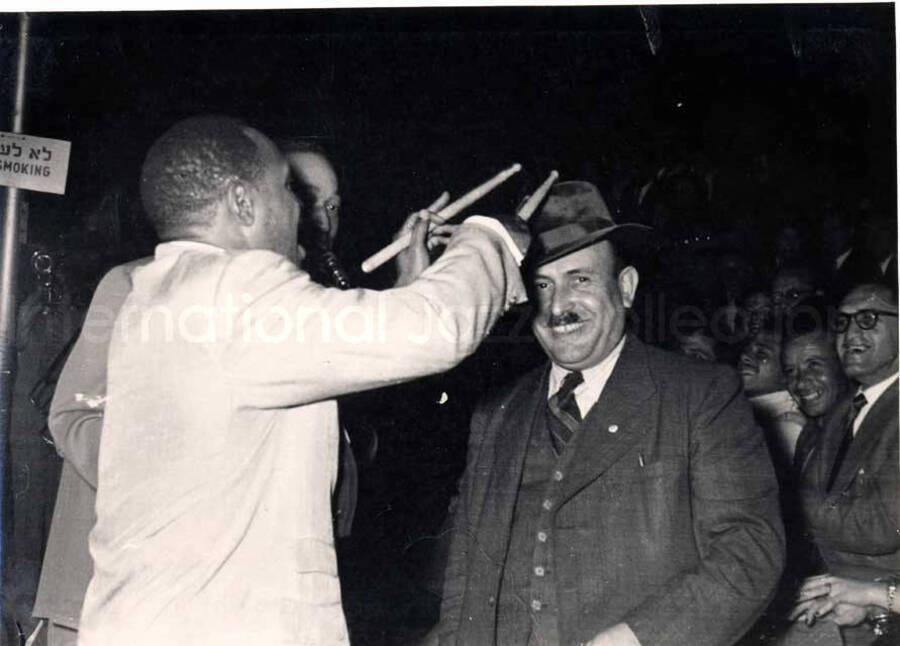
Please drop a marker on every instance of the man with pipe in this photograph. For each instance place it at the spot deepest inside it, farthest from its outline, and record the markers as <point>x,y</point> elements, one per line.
<point>619,495</point>
<point>320,201</point>
<point>223,365</point>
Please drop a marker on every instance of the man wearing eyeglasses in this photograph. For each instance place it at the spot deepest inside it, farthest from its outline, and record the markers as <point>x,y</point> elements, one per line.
<point>851,482</point>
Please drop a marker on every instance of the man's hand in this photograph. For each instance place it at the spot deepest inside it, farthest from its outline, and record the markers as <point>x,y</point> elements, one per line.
<point>413,260</point>
<point>846,614</point>
<point>618,635</point>
<point>843,590</point>
<point>843,601</point>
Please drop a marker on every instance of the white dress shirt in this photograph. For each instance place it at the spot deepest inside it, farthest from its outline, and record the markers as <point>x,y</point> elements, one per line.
<point>872,394</point>
<point>588,392</point>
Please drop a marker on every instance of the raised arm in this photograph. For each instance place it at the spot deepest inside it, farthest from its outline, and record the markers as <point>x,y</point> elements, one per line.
<point>296,342</point>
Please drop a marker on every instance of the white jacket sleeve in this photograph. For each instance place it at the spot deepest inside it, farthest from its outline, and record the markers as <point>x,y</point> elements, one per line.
<point>296,342</point>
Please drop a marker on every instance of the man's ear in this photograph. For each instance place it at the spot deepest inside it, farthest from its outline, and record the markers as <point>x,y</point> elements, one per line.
<point>240,203</point>
<point>628,283</point>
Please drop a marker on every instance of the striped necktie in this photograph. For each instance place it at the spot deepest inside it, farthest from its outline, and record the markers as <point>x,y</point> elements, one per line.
<point>859,400</point>
<point>565,417</point>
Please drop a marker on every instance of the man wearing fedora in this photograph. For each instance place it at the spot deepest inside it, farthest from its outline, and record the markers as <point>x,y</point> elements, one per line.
<point>620,494</point>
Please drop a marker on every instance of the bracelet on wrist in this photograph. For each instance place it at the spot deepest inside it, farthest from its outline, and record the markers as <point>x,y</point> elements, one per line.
<point>881,619</point>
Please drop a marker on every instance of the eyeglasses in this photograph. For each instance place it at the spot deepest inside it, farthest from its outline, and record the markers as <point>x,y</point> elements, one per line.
<point>865,319</point>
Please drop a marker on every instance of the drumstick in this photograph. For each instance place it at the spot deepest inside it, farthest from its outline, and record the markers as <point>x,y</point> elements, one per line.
<point>375,261</point>
<point>374,258</point>
<point>437,202</point>
<point>535,198</point>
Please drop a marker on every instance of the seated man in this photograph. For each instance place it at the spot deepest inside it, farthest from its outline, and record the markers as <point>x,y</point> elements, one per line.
<point>816,381</point>
<point>219,443</point>
<point>851,480</point>
<point>812,369</point>
<point>765,386</point>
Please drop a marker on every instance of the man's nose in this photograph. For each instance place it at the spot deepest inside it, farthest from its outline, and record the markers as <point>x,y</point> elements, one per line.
<point>802,380</point>
<point>853,332</point>
<point>561,300</point>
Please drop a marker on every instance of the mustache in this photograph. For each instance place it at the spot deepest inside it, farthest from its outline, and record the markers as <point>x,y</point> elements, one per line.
<point>566,318</point>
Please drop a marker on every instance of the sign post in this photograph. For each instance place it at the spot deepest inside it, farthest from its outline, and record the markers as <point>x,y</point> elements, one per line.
<point>8,250</point>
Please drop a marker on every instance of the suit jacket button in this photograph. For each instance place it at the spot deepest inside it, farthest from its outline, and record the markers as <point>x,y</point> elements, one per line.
<point>613,428</point>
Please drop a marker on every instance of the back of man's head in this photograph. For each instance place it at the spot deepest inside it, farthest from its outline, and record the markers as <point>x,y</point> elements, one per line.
<point>189,167</point>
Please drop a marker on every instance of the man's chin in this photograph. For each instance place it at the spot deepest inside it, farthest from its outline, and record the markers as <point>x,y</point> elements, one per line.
<point>568,358</point>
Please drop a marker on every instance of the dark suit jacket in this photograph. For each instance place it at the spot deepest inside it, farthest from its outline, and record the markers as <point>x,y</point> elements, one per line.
<point>855,525</point>
<point>686,549</point>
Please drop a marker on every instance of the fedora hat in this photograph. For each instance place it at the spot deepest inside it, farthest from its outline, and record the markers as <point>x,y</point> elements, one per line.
<point>575,216</point>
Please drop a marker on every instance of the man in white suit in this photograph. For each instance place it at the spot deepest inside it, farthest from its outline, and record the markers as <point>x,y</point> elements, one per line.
<point>223,365</point>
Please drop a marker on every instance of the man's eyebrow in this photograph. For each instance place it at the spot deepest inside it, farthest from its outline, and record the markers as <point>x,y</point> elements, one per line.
<point>568,272</point>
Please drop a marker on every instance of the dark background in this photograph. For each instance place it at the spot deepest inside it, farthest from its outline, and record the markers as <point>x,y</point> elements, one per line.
<point>744,118</point>
<point>408,102</point>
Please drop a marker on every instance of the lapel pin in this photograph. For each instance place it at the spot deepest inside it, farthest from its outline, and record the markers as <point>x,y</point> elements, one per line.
<point>613,428</point>
<point>641,459</point>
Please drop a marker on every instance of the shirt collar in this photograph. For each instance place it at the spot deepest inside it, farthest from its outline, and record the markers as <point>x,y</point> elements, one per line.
<point>595,379</point>
<point>179,246</point>
<point>875,391</point>
<point>872,394</point>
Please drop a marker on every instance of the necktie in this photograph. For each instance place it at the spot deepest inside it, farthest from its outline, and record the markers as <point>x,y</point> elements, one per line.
<point>565,417</point>
<point>859,400</point>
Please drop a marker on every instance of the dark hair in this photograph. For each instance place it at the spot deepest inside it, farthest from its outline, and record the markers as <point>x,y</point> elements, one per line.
<point>189,167</point>
<point>304,191</point>
<point>886,288</point>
